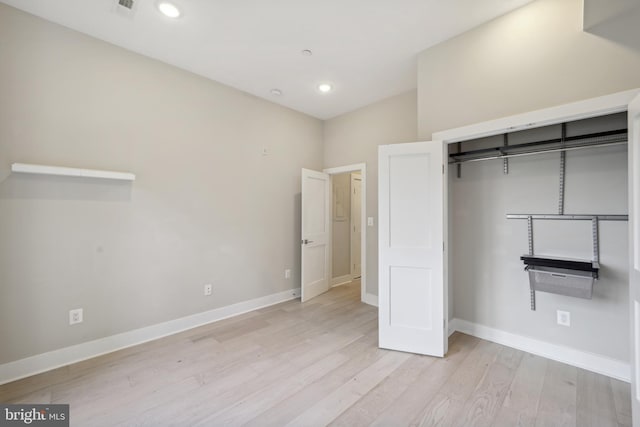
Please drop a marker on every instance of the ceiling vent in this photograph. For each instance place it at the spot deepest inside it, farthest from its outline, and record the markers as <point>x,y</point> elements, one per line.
<point>126,3</point>
<point>124,8</point>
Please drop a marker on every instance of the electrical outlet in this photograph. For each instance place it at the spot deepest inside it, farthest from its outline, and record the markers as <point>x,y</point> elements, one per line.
<point>208,289</point>
<point>75,316</point>
<point>287,273</point>
<point>564,318</point>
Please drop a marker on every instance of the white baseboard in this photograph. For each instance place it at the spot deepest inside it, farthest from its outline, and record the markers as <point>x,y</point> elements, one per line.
<point>54,359</point>
<point>370,299</point>
<point>604,365</point>
<point>341,280</point>
<point>451,327</point>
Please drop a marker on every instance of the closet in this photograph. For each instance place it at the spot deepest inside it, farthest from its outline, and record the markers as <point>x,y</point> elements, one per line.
<point>528,219</point>
<point>585,154</point>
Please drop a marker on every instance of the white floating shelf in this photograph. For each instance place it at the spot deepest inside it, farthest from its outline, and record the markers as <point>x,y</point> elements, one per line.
<point>62,171</point>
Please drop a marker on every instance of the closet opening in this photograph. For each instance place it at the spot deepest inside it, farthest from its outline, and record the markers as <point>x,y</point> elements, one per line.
<point>529,208</point>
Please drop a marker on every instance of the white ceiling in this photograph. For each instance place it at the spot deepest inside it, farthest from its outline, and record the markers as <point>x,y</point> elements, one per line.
<point>365,48</point>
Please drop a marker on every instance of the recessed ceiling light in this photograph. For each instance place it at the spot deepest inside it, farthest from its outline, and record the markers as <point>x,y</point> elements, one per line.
<point>306,52</point>
<point>325,87</point>
<point>169,9</point>
<point>276,92</point>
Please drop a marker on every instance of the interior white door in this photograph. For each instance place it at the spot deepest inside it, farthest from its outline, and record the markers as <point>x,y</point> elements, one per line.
<point>356,225</point>
<point>316,193</point>
<point>411,292</point>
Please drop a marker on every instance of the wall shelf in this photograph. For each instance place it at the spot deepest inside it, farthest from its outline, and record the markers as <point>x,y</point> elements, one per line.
<point>73,172</point>
<point>563,276</point>
<point>589,266</point>
<point>571,217</point>
<point>564,143</point>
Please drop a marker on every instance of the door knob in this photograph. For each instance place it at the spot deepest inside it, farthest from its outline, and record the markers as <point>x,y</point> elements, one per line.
<point>306,242</point>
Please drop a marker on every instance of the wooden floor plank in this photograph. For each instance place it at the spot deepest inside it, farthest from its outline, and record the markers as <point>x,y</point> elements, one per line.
<point>446,406</point>
<point>331,406</point>
<point>520,405</point>
<point>594,401</point>
<point>317,363</point>
<point>486,400</point>
<point>622,402</point>
<point>360,356</point>
<point>371,405</point>
<point>395,399</point>
<point>262,399</point>
<point>557,405</point>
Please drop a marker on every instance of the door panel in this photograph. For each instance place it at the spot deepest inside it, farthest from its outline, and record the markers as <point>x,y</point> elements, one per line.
<point>411,258</point>
<point>411,295</point>
<point>316,191</point>
<point>409,204</point>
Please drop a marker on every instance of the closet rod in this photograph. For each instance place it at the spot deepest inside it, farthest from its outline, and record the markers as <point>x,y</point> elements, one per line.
<point>541,151</point>
<point>570,217</point>
<point>550,145</point>
<point>575,138</point>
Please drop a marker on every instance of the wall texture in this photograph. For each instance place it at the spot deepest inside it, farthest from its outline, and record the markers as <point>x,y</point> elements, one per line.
<point>535,57</point>
<point>207,206</point>
<point>354,138</point>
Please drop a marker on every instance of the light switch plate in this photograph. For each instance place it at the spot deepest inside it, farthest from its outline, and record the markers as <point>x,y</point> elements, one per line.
<point>370,221</point>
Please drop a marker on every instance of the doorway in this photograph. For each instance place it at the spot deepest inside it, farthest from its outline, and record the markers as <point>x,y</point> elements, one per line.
<point>346,225</point>
<point>348,246</point>
<point>397,159</point>
<point>536,120</point>
<point>355,230</point>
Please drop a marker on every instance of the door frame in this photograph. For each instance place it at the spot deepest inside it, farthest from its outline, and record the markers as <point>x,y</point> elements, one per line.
<point>362,168</point>
<point>594,107</point>
<point>352,180</point>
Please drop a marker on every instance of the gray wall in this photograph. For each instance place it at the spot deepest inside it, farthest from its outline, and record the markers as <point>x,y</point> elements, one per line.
<point>207,207</point>
<point>487,280</point>
<point>341,243</point>
<point>354,138</point>
<point>535,57</point>
<point>597,12</point>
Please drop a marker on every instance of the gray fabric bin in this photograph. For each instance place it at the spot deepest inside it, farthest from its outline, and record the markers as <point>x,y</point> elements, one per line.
<point>573,283</point>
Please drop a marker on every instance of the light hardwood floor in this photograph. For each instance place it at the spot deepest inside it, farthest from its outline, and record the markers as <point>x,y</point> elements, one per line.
<point>317,364</point>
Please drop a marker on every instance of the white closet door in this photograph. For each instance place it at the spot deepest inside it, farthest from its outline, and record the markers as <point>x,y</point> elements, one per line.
<point>411,249</point>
